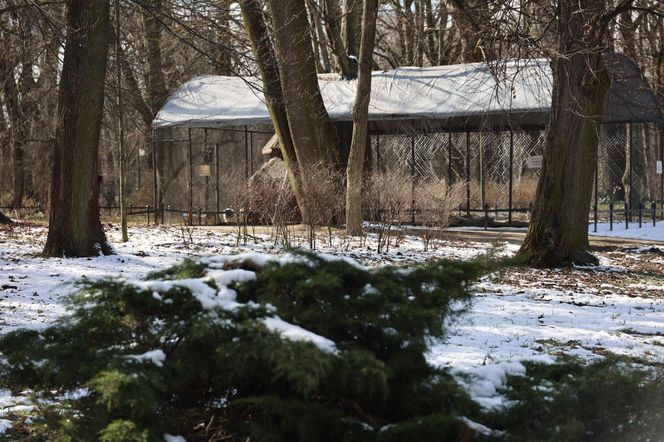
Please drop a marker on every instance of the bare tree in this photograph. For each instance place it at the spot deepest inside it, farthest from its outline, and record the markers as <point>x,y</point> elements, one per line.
<point>314,137</point>
<point>356,156</point>
<point>558,230</point>
<point>74,225</point>
<point>261,44</point>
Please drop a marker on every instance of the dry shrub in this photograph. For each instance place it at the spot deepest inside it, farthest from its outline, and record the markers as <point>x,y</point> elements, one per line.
<point>238,199</point>
<point>523,192</point>
<point>436,202</point>
<point>387,195</point>
<point>272,201</point>
<point>323,200</point>
<point>497,193</point>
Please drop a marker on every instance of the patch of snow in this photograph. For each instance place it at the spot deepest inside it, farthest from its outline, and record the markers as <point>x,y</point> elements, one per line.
<point>157,357</point>
<point>529,316</point>
<point>296,333</point>
<point>328,257</point>
<point>228,277</point>
<point>5,425</point>
<point>646,232</point>
<point>74,394</point>
<point>171,438</point>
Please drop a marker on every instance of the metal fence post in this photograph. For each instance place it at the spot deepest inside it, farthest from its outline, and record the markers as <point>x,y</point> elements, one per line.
<point>412,179</point>
<point>147,212</point>
<point>449,159</point>
<point>155,190</point>
<point>595,217</point>
<point>611,216</point>
<point>640,214</point>
<point>654,214</point>
<point>626,216</point>
<point>246,152</point>
<point>468,174</point>
<point>511,183</point>
<point>190,176</point>
<point>486,216</point>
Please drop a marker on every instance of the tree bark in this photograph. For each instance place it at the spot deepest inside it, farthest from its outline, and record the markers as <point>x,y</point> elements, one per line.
<point>351,24</point>
<point>347,66</point>
<point>311,129</point>
<point>157,94</point>
<point>358,145</point>
<point>74,225</point>
<point>558,232</point>
<point>20,129</point>
<point>261,44</point>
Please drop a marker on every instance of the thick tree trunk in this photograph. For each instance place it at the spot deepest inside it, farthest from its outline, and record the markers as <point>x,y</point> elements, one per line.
<point>313,134</point>
<point>261,44</point>
<point>558,232</point>
<point>74,225</point>
<point>358,145</point>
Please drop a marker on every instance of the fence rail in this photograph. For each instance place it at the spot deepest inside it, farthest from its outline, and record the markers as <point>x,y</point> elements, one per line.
<point>638,215</point>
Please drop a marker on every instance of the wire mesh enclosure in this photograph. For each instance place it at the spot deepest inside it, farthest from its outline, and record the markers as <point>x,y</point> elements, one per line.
<point>500,169</point>
<point>628,170</point>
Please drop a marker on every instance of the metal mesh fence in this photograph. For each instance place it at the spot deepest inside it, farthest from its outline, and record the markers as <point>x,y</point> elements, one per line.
<point>489,163</point>
<point>501,168</point>
<point>627,164</point>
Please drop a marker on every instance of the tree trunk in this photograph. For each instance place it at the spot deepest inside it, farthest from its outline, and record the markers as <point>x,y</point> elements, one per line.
<point>350,26</point>
<point>322,41</point>
<point>157,94</point>
<point>20,129</point>
<point>347,66</point>
<point>358,145</point>
<point>261,44</point>
<point>558,232</point>
<point>470,32</point>
<point>313,134</point>
<point>74,225</point>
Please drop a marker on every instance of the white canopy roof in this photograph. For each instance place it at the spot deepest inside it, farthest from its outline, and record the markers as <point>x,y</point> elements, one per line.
<point>440,92</point>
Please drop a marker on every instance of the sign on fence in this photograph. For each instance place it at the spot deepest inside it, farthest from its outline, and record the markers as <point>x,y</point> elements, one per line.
<point>534,162</point>
<point>659,167</point>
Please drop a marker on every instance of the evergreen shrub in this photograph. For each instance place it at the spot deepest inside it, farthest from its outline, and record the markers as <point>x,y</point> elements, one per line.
<point>609,400</point>
<point>301,347</point>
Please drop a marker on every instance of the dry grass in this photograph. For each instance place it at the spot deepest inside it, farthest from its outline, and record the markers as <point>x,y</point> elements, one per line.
<point>436,202</point>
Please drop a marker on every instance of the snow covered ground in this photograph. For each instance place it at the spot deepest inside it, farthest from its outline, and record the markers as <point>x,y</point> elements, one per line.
<point>517,314</point>
<point>646,232</point>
